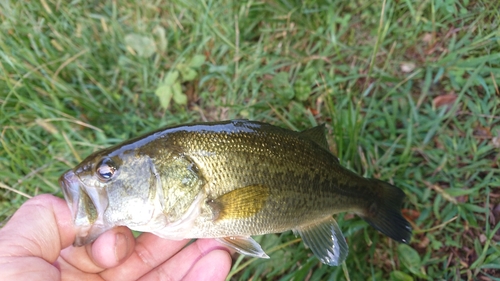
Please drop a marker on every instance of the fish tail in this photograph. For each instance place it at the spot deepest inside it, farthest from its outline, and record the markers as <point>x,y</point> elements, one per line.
<point>384,213</point>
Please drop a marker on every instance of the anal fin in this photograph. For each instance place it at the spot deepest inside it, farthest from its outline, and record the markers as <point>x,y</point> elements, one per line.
<point>325,240</point>
<point>244,245</point>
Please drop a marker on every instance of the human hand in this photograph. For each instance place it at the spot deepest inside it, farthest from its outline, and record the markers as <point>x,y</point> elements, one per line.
<point>36,245</point>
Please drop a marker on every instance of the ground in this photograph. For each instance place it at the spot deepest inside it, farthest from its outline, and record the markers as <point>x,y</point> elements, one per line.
<point>407,89</point>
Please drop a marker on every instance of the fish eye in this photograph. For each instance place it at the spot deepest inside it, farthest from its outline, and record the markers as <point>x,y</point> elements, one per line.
<point>106,169</point>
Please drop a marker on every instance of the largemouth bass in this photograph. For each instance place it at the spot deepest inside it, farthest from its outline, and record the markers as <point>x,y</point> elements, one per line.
<point>229,180</point>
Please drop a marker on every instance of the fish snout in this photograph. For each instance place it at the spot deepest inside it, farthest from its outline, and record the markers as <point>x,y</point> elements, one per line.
<point>70,186</point>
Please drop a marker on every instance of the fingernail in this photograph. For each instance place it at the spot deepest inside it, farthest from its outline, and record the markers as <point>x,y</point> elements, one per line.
<point>121,247</point>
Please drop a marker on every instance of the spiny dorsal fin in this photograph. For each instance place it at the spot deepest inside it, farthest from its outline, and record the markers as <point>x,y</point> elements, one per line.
<point>240,203</point>
<point>316,134</point>
<point>325,240</point>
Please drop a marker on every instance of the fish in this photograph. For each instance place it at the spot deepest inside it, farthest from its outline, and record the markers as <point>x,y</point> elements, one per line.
<point>229,180</point>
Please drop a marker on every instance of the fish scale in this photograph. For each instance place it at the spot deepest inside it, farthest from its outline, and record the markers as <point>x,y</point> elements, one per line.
<point>290,178</point>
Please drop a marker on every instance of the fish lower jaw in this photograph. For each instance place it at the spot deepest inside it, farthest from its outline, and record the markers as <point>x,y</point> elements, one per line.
<point>86,234</point>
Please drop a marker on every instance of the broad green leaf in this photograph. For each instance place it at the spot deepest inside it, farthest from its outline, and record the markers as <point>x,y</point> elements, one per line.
<point>171,78</point>
<point>197,61</point>
<point>436,244</point>
<point>400,276</point>
<point>162,37</point>
<point>281,80</point>
<point>281,85</point>
<point>179,97</point>
<point>410,259</point>
<point>164,93</point>
<point>188,74</point>
<point>144,46</point>
<point>302,90</point>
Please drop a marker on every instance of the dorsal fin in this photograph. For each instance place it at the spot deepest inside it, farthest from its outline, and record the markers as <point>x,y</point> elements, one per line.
<point>316,134</point>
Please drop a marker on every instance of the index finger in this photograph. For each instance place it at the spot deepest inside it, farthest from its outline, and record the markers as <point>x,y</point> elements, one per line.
<point>150,251</point>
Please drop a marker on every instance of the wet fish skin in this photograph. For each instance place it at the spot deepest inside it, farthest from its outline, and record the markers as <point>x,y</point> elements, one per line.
<point>229,180</point>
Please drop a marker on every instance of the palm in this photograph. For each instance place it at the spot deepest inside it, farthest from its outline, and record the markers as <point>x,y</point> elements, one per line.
<point>152,259</point>
<point>35,245</point>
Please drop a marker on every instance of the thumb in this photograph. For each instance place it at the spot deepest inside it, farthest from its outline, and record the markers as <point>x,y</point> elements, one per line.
<point>33,238</point>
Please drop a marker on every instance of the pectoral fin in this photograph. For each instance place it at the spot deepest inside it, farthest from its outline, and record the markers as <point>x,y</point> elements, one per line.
<point>240,203</point>
<point>325,240</point>
<point>244,245</point>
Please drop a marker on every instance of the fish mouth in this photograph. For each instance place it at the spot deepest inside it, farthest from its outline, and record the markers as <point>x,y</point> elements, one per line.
<point>70,186</point>
<point>87,219</point>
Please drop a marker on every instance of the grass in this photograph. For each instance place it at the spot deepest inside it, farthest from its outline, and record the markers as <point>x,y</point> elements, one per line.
<point>408,90</point>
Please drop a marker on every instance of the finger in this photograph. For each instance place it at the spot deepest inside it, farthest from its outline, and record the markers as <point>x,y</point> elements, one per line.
<point>109,250</point>
<point>27,268</point>
<point>36,233</point>
<point>40,228</point>
<point>149,252</point>
<point>179,265</point>
<point>214,267</point>
<point>123,242</point>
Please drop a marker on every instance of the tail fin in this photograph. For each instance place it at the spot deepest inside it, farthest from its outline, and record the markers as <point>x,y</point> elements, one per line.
<point>384,213</point>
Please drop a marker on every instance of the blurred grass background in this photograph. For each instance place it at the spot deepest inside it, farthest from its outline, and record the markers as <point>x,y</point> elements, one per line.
<point>408,90</point>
